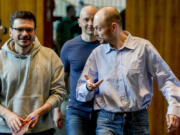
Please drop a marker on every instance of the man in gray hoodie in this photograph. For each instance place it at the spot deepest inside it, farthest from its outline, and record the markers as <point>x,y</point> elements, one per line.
<point>31,79</point>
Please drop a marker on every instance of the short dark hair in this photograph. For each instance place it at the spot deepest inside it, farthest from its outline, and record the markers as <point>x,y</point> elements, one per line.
<point>69,7</point>
<point>22,14</point>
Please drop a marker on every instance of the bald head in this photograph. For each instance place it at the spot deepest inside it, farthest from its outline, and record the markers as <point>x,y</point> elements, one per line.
<point>86,22</point>
<point>109,15</point>
<point>107,24</point>
<point>88,9</point>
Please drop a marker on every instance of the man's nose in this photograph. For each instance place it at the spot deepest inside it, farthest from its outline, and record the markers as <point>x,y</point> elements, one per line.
<point>90,22</point>
<point>95,32</point>
<point>24,32</point>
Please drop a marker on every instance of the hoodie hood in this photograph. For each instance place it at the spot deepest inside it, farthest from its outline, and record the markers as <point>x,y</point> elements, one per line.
<point>7,47</point>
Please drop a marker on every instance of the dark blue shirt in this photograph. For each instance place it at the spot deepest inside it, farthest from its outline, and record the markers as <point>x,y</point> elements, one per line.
<point>74,54</point>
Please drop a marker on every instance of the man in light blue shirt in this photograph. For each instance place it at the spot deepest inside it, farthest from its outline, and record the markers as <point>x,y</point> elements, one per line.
<point>119,75</point>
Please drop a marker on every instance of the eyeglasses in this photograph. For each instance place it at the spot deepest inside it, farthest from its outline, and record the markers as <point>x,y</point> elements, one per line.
<point>20,30</point>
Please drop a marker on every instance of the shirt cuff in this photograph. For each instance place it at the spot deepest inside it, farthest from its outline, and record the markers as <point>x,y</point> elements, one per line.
<point>83,94</point>
<point>175,110</point>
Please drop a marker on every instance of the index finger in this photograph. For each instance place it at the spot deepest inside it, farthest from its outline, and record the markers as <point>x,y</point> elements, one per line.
<point>98,83</point>
<point>87,77</point>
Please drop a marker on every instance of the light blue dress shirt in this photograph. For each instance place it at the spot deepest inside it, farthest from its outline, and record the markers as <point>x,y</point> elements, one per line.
<point>128,75</point>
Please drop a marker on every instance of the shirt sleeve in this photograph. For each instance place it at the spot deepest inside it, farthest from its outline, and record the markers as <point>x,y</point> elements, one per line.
<point>165,78</point>
<point>57,85</point>
<point>90,69</point>
<point>64,57</point>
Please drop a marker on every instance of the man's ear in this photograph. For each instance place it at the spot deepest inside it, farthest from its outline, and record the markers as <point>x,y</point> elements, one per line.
<point>35,31</point>
<point>10,32</point>
<point>79,22</point>
<point>114,26</point>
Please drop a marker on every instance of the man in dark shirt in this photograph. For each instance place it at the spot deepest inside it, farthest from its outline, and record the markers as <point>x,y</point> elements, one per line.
<point>79,116</point>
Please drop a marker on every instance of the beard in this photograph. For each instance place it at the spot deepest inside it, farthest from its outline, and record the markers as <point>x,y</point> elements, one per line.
<point>102,41</point>
<point>25,38</point>
<point>25,41</point>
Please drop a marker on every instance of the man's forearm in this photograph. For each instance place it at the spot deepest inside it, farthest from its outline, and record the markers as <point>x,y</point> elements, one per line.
<point>57,109</point>
<point>41,111</point>
<point>56,113</point>
<point>3,111</point>
<point>44,109</point>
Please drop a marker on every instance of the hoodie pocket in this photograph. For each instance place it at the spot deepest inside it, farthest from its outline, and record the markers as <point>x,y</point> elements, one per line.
<point>23,106</point>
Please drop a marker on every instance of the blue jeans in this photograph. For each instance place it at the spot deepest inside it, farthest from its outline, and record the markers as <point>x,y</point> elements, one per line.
<point>79,122</point>
<point>130,123</point>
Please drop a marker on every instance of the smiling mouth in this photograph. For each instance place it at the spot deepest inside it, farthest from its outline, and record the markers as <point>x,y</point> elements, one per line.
<point>24,40</point>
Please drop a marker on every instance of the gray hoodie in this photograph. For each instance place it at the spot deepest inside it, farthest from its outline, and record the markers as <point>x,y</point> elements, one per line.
<point>29,81</point>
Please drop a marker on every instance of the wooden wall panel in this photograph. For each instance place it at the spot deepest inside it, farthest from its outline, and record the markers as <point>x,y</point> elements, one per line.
<point>7,7</point>
<point>159,22</point>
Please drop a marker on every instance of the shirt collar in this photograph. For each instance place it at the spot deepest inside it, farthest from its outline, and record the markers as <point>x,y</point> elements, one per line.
<point>127,44</point>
